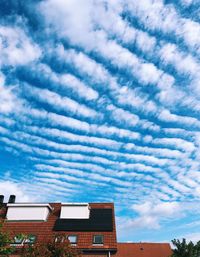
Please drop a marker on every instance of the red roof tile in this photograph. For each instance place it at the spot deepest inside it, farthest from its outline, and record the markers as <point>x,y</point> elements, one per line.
<point>143,250</point>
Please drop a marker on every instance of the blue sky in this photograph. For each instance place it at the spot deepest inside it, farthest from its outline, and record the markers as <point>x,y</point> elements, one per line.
<point>99,101</point>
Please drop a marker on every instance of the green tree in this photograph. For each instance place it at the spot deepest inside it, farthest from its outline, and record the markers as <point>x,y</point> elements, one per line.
<point>5,241</point>
<point>58,246</point>
<point>184,249</point>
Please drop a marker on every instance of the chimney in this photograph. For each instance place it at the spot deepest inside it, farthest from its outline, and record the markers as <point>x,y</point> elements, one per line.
<point>1,199</point>
<point>12,199</point>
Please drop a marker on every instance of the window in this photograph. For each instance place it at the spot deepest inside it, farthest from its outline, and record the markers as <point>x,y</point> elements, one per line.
<point>23,239</point>
<point>72,239</point>
<point>59,239</point>
<point>30,239</point>
<point>75,211</point>
<point>27,212</point>
<point>18,239</point>
<point>98,239</point>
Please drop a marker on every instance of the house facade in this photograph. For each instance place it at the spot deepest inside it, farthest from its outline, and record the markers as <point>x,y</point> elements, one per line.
<point>89,227</point>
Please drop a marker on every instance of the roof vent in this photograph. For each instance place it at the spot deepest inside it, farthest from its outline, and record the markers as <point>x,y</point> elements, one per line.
<point>1,199</point>
<point>12,199</point>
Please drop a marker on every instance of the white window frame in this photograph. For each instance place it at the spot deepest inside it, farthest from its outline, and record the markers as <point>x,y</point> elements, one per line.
<point>94,243</point>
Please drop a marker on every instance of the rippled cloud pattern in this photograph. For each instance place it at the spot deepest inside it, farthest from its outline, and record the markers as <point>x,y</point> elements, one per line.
<point>100,101</point>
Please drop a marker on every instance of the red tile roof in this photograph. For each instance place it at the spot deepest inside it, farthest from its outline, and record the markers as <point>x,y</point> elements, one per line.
<point>44,230</point>
<point>143,250</point>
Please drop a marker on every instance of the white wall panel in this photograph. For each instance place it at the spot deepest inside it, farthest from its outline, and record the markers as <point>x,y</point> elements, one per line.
<point>75,211</point>
<point>20,213</point>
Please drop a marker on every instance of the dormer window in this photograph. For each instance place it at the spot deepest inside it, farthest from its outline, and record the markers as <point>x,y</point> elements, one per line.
<point>75,211</point>
<point>72,239</point>
<point>98,239</point>
<point>28,212</point>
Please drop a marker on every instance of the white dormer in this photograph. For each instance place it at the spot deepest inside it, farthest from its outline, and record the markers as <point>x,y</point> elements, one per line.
<point>28,212</point>
<point>75,211</point>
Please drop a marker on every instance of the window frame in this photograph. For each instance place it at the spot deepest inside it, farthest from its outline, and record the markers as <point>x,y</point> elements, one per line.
<point>73,235</point>
<point>98,235</point>
<point>27,240</point>
<point>19,242</point>
<point>60,238</point>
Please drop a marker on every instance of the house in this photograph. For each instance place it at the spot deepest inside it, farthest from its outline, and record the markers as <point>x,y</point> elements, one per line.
<point>143,250</point>
<point>89,227</point>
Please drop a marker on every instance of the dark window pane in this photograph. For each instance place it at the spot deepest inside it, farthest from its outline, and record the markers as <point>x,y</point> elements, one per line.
<point>98,239</point>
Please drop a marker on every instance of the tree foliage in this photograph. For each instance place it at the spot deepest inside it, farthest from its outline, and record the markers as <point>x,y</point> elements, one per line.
<point>57,246</point>
<point>184,249</point>
<point>5,242</point>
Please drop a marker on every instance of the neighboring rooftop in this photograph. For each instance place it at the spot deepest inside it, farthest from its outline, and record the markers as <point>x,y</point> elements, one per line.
<point>143,250</point>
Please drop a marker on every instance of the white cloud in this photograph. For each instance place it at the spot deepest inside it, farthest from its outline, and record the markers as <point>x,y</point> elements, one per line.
<point>82,31</point>
<point>123,95</point>
<point>43,142</point>
<point>83,63</point>
<point>187,65</point>
<point>187,3</point>
<point>155,15</point>
<point>194,237</point>
<point>16,48</point>
<point>130,119</point>
<point>163,209</point>
<point>73,177</point>
<point>166,115</point>
<point>79,18</point>
<point>72,123</point>
<point>73,137</point>
<point>8,99</point>
<point>111,109</point>
<point>122,116</point>
<point>112,22</point>
<point>145,72</point>
<point>78,156</point>
<point>93,177</point>
<point>8,188</point>
<point>184,63</point>
<point>177,143</point>
<point>61,103</point>
<point>162,152</point>
<point>151,215</point>
<point>66,80</point>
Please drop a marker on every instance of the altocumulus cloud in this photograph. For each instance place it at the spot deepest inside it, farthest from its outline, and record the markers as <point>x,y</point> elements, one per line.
<point>99,101</point>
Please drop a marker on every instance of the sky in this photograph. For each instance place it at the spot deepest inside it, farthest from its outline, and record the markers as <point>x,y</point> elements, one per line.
<point>100,102</point>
